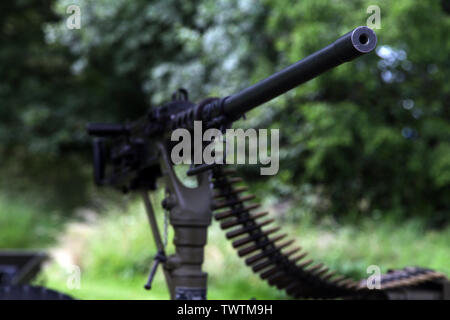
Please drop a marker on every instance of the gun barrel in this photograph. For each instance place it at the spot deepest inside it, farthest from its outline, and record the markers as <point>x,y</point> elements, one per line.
<point>357,42</point>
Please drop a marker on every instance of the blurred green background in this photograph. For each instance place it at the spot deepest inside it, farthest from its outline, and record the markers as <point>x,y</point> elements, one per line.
<point>365,149</point>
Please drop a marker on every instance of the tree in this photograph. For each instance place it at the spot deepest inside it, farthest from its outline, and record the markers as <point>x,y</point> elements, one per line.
<point>373,135</point>
<point>126,57</point>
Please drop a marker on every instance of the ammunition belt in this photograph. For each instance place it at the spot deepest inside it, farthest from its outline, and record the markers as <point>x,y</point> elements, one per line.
<point>283,266</point>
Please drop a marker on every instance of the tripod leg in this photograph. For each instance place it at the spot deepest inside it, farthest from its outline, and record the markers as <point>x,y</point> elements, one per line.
<point>158,242</point>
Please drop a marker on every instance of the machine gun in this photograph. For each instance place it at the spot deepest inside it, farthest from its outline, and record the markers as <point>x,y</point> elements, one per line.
<point>133,156</point>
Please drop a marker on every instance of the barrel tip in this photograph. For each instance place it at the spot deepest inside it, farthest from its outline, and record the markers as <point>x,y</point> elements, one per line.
<point>364,39</point>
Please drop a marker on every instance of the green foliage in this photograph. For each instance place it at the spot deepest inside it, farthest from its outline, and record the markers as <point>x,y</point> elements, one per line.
<point>370,135</point>
<point>373,134</point>
<point>36,140</point>
<point>126,57</point>
<point>25,228</point>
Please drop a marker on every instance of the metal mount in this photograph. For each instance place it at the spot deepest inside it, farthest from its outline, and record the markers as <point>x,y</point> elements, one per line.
<point>190,221</point>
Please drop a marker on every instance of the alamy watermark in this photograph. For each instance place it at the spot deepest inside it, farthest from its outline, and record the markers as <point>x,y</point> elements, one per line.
<point>74,20</point>
<point>235,146</point>
<point>374,20</point>
<point>374,280</point>
<point>73,277</point>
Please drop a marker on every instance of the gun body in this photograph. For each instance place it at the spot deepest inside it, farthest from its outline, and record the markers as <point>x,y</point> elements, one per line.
<point>128,160</point>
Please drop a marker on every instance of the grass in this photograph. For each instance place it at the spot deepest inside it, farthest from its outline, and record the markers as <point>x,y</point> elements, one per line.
<point>114,251</point>
<point>114,254</point>
<point>21,227</point>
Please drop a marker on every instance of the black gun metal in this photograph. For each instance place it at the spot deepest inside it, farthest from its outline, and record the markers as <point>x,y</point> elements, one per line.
<point>348,47</point>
